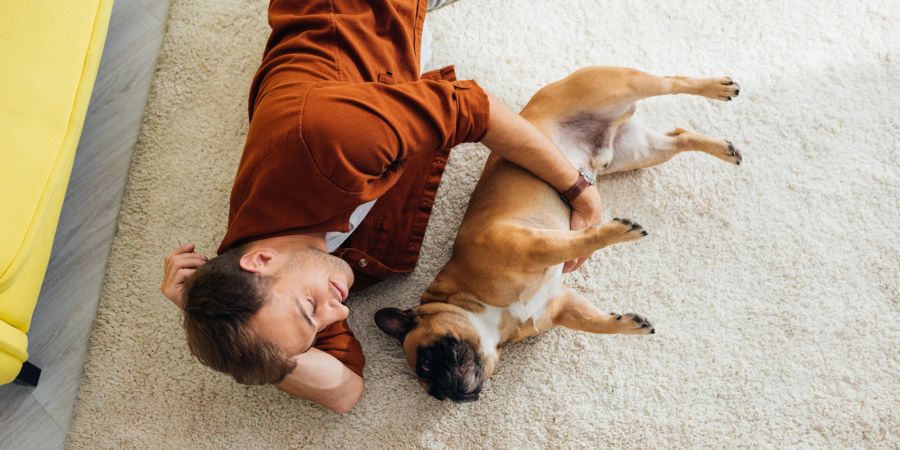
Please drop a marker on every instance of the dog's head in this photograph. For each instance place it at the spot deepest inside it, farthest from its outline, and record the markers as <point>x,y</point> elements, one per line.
<point>442,347</point>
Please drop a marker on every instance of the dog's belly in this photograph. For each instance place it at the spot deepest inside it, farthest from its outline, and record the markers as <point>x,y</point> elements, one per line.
<point>581,135</point>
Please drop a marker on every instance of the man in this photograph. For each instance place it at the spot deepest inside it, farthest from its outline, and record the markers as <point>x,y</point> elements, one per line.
<point>344,155</point>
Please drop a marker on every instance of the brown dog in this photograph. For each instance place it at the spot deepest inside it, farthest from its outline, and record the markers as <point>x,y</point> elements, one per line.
<point>503,282</point>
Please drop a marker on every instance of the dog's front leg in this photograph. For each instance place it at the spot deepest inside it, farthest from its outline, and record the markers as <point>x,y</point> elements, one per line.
<point>539,248</point>
<point>571,310</point>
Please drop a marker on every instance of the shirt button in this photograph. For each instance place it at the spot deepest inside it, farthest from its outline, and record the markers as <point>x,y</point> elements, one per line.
<point>363,262</point>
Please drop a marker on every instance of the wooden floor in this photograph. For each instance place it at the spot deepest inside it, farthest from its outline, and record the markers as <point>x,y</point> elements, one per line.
<point>39,417</point>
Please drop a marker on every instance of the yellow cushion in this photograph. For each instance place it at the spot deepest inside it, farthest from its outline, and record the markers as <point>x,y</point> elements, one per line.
<point>13,343</point>
<point>49,54</point>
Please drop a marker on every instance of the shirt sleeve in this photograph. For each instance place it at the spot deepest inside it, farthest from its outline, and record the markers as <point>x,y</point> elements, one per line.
<point>360,134</point>
<point>337,340</point>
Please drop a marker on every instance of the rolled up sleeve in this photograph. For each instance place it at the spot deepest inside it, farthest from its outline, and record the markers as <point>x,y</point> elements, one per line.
<point>337,340</point>
<point>361,132</point>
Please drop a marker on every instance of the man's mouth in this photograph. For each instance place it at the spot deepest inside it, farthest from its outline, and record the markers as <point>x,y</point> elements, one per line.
<point>342,291</point>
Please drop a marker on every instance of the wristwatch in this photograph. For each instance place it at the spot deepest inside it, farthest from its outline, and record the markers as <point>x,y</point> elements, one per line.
<point>585,179</point>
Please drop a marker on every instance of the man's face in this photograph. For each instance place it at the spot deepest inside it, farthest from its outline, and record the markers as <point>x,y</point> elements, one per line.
<point>307,295</point>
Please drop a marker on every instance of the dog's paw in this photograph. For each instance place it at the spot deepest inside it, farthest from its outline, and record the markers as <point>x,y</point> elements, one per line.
<point>724,150</point>
<point>724,89</point>
<point>732,154</point>
<point>621,230</point>
<point>632,323</point>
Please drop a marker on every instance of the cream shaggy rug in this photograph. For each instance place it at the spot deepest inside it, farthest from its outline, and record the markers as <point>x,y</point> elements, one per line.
<point>773,286</point>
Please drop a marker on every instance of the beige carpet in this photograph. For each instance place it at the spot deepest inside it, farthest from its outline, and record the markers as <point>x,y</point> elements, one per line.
<point>773,286</point>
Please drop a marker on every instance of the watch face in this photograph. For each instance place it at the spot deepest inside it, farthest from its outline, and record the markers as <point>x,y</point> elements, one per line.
<point>589,176</point>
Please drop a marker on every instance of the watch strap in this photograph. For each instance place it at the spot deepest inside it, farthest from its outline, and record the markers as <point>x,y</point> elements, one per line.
<point>569,195</point>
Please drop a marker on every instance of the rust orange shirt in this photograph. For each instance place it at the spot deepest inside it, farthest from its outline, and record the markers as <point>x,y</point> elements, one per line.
<point>339,115</point>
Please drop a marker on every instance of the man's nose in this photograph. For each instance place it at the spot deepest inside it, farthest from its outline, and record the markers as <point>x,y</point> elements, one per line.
<point>336,310</point>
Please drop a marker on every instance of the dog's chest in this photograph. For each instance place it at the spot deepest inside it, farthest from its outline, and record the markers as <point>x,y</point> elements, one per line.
<point>489,322</point>
<point>533,305</point>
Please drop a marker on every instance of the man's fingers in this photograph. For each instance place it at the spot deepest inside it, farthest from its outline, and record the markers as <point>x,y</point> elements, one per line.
<point>573,265</point>
<point>184,248</point>
<point>579,263</point>
<point>188,260</point>
<point>182,274</point>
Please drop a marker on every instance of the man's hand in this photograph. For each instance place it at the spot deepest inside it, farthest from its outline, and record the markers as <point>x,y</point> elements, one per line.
<point>586,211</point>
<point>180,264</point>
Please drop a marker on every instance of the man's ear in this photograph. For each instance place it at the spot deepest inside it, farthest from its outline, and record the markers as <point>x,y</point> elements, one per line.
<point>394,322</point>
<point>258,261</point>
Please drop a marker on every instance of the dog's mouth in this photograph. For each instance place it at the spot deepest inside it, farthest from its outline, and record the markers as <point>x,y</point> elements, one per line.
<point>470,397</point>
<point>456,396</point>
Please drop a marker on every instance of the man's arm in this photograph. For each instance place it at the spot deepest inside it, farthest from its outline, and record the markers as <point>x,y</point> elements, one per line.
<point>517,140</point>
<point>321,378</point>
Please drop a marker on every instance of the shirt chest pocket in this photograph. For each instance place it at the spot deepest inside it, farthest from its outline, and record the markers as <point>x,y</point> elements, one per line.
<point>351,141</point>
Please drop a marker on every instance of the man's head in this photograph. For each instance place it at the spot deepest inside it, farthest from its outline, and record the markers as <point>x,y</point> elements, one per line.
<point>250,310</point>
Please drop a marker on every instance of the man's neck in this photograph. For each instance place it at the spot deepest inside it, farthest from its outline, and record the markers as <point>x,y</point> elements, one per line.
<point>315,241</point>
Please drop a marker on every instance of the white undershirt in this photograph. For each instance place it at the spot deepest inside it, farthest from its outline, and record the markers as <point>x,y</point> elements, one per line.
<point>334,239</point>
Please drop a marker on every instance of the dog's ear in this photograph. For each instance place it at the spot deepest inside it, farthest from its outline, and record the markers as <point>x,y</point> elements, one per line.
<point>394,322</point>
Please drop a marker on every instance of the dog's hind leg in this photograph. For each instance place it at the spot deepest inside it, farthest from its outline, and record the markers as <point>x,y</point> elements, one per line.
<point>638,148</point>
<point>538,248</point>
<point>571,310</point>
<point>681,140</point>
<point>719,88</point>
<point>610,91</point>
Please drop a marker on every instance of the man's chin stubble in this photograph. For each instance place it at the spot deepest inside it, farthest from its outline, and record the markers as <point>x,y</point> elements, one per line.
<point>334,264</point>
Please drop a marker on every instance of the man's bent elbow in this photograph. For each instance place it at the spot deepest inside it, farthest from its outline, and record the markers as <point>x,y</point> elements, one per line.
<point>345,403</point>
<point>341,402</point>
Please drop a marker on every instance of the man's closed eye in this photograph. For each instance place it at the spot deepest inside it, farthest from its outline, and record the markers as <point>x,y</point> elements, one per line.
<point>303,312</point>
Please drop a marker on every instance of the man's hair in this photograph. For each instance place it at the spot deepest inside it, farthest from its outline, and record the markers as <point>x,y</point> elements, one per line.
<point>219,300</point>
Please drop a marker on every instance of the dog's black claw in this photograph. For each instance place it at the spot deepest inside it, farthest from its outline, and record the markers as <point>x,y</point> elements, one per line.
<point>643,233</point>
<point>618,317</point>
<point>730,81</point>
<point>737,92</point>
<point>617,219</point>
<point>653,331</point>
<point>738,163</point>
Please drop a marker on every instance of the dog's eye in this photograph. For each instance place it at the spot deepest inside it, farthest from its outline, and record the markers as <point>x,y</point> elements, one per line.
<point>425,365</point>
